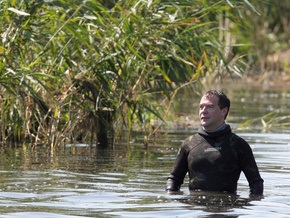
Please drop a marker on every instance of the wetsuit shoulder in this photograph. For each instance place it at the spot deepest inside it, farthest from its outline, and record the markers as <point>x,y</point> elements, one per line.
<point>192,141</point>
<point>239,142</point>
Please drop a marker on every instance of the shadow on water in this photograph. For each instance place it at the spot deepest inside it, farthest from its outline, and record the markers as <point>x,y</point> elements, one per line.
<point>216,204</point>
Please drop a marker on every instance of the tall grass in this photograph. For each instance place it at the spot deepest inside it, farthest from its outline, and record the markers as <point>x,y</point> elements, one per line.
<point>78,70</point>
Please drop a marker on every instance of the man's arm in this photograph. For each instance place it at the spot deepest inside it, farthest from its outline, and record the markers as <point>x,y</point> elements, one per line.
<point>172,185</point>
<point>251,171</point>
<point>180,168</point>
<point>257,187</point>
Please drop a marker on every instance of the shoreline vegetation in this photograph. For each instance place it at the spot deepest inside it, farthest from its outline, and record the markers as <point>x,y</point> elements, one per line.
<point>86,71</point>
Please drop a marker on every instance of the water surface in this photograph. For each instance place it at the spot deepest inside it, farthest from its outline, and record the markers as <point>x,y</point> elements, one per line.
<point>129,181</point>
<point>126,180</point>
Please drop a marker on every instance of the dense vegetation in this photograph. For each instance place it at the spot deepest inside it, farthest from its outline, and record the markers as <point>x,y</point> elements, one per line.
<point>79,70</point>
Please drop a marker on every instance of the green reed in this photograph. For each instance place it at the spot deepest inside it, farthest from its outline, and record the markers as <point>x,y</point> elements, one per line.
<point>81,70</point>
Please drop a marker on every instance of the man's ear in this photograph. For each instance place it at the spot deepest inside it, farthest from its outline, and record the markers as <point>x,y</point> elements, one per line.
<point>225,110</point>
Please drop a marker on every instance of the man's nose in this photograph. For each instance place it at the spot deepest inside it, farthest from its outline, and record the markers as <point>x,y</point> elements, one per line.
<point>203,110</point>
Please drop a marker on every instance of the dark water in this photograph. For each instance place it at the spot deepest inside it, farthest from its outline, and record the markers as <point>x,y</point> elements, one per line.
<point>128,181</point>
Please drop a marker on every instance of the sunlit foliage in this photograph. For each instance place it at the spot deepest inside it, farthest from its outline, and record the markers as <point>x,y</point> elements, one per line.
<point>78,70</point>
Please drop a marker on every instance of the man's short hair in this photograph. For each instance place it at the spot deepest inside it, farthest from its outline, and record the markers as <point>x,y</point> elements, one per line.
<point>223,100</point>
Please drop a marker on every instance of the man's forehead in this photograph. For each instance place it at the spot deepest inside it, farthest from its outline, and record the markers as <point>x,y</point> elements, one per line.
<point>209,100</point>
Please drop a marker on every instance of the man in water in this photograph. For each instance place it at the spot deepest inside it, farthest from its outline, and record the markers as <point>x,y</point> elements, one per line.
<point>214,157</point>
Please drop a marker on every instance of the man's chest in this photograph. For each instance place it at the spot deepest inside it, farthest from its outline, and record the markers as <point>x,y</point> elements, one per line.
<point>212,153</point>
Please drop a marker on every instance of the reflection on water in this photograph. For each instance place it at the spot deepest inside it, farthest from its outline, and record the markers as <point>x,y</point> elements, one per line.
<point>213,202</point>
<point>129,181</point>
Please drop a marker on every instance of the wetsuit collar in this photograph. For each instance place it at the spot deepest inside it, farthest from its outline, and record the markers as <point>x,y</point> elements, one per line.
<point>221,127</point>
<point>225,128</point>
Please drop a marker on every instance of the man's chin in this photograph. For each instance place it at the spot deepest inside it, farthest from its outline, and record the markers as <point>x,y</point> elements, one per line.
<point>205,127</point>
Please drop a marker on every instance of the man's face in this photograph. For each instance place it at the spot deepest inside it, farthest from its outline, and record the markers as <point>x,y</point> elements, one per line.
<point>210,115</point>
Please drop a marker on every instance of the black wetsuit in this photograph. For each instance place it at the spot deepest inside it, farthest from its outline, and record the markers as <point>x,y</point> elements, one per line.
<point>214,162</point>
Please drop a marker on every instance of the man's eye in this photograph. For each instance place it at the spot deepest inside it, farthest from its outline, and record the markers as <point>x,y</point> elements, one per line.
<point>206,107</point>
